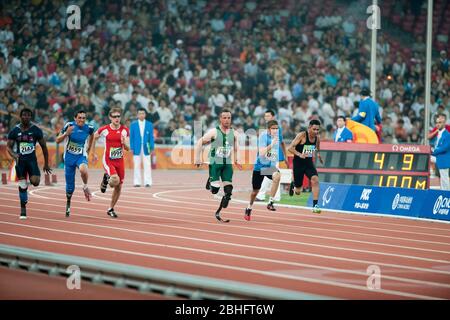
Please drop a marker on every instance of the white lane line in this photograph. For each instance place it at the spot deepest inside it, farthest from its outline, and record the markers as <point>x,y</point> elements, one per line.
<point>340,217</point>
<point>275,240</point>
<point>291,226</point>
<point>229,267</point>
<point>232,255</point>
<point>371,243</point>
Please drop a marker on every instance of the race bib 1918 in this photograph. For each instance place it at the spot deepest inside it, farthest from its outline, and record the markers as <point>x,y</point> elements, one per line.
<point>26,148</point>
<point>115,153</point>
<point>74,148</point>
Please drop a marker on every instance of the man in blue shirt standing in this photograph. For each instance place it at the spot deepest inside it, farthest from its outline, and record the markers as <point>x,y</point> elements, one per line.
<point>342,134</point>
<point>442,151</point>
<point>76,151</point>
<point>142,144</point>
<point>269,115</point>
<point>266,165</point>
<point>368,113</point>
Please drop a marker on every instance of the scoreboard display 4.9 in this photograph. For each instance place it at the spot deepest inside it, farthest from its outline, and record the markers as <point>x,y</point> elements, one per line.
<point>384,165</point>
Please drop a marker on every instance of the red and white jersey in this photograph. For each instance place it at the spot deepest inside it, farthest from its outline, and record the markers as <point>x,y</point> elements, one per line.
<point>113,141</point>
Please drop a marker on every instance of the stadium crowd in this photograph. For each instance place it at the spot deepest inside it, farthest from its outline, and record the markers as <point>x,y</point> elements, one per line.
<point>183,61</point>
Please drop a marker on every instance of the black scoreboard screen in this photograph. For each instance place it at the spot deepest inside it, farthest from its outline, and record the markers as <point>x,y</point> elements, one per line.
<point>384,165</point>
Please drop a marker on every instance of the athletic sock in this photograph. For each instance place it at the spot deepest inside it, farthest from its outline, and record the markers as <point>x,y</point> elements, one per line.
<point>85,186</point>
<point>249,206</point>
<point>271,200</point>
<point>315,202</point>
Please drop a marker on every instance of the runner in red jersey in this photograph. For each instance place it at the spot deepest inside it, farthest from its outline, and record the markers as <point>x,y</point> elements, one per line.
<point>116,139</point>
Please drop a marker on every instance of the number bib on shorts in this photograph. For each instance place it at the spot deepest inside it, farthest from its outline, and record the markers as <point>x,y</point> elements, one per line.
<point>74,148</point>
<point>115,153</point>
<point>26,148</point>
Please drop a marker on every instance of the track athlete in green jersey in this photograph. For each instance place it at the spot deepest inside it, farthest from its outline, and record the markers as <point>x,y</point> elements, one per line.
<point>224,146</point>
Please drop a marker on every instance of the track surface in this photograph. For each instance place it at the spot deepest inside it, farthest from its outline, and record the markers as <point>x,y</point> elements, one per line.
<point>171,226</point>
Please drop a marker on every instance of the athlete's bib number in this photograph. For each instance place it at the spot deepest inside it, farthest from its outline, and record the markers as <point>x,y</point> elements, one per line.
<point>115,153</point>
<point>26,148</point>
<point>272,156</point>
<point>308,150</point>
<point>74,148</point>
<point>223,152</point>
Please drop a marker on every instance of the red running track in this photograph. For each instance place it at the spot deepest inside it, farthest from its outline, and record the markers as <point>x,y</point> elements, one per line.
<point>171,226</point>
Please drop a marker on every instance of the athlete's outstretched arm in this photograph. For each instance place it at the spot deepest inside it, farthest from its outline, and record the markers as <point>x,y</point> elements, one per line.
<point>284,150</point>
<point>9,148</point>
<point>294,143</point>
<point>263,147</point>
<point>211,134</point>
<point>236,150</point>
<point>65,132</point>
<point>126,142</point>
<point>96,135</point>
<point>43,145</point>
<point>318,150</point>
<point>91,139</point>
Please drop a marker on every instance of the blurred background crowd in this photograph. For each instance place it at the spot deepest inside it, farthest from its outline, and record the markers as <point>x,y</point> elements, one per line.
<point>185,60</point>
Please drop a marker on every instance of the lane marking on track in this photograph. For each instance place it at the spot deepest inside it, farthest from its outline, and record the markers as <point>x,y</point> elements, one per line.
<point>341,214</point>
<point>232,255</point>
<point>268,239</point>
<point>297,226</point>
<point>234,268</point>
<point>371,243</point>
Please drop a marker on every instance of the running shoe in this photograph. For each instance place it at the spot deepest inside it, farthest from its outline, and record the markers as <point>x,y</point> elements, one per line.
<point>67,211</point>
<point>208,184</point>
<point>104,183</point>
<point>87,194</point>
<point>271,207</point>
<point>23,213</point>
<point>248,213</point>
<point>316,209</point>
<point>111,213</point>
<point>291,189</point>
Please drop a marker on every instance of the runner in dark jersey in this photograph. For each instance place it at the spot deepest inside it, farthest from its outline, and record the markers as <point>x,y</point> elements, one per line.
<point>303,147</point>
<point>22,147</point>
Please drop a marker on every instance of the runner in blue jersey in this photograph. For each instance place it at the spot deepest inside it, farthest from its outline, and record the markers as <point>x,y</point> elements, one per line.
<point>266,166</point>
<point>75,135</point>
<point>22,147</point>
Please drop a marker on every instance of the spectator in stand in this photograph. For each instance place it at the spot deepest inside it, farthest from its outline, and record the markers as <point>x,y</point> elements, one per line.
<point>400,133</point>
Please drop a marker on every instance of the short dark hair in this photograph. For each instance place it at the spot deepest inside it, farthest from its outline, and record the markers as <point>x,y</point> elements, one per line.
<point>78,112</point>
<point>365,92</point>
<point>441,115</point>
<point>271,112</point>
<point>142,109</point>
<point>272,123</point>
<point>341,117</point>
<point>26,110</point>
<point>224,111</point>
<point>314,122</point>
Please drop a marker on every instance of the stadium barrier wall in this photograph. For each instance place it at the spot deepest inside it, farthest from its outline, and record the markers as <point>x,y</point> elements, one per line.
<point>167,157</point>
<point>417,203</point>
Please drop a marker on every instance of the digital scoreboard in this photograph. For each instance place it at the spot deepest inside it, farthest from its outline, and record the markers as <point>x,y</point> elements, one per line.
<point>384,165</point>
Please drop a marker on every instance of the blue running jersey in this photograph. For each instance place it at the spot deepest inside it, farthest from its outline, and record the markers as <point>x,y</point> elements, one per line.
<point>271,158</point>
<point>75,144</point>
